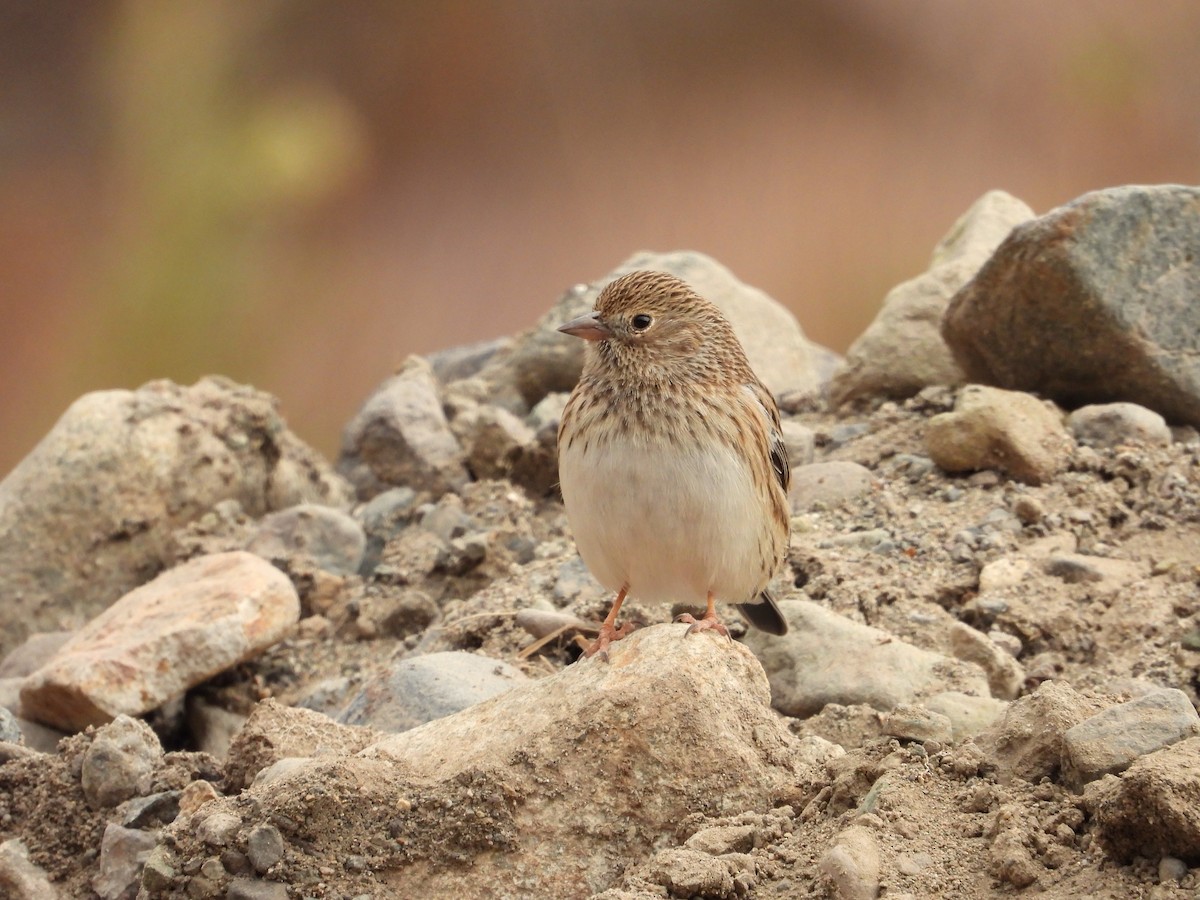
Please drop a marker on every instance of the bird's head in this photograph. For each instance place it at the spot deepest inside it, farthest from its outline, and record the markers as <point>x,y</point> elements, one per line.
<point>657,324</point>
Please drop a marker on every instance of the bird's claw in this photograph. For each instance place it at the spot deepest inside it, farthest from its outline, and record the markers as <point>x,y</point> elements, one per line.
<point>706,623</point>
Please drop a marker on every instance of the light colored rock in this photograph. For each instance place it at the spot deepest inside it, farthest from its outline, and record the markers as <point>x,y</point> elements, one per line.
<point>120,762</point>
<point>275,732</point>
<point>401,437</point>
<point>969,715</point>
<point>1091,303</point>
<point>917,723</point>
<point>332,539</point>
<point>827,658</point>
<point>1027,741</point>
<point>828,484</point>
<point>1150,811</point>
<point>1113,424</point>
<point>1003,572</point>
<point>419,689</point>
<point>1006,676</point>
<point>91,512</point>
<point>852,864</point>
<point>902,350</point>
<point>543,361</point>
<point>669,727</point>
<point>1110,741</point>
<point>1009,431</point>
<point>122,854</point>
<point>21,879</point>
<point>187,625</point>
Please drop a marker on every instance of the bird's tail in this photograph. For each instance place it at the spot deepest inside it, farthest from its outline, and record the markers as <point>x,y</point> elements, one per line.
<point>765,615</point>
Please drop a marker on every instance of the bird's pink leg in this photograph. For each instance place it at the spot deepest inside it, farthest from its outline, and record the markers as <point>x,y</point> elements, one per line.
<point>609,632</point>
<point>708,622</point>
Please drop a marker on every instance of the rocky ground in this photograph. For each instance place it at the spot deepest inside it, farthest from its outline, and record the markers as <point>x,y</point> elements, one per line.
<point>235,670</point>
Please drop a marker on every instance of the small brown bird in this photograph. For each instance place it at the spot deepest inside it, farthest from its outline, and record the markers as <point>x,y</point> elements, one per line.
<point>671,460</point>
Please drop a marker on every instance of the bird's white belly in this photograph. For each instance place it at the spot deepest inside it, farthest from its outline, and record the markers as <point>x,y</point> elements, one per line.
<point>670,524</point>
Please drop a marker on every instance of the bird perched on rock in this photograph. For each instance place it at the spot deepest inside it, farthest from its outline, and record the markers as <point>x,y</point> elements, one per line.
<point>671,460</point>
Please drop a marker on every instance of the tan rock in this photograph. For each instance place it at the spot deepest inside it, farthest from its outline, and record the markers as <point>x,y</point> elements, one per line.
<point>158,640</point>
<point>1009,431</point>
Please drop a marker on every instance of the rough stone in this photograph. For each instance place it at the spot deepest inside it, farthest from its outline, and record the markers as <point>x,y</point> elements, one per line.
<point>90,513</point>
<point>274,732</point>
<point>200,618</point>
<point>401,437</point>
<point>1114,424</point>
<point>1006,430</point>
<point>902,350</point>
<point>827,658</point>
<point>123,851</point>
<point>1110,741</point>
<point>332,539</point>
<point>120,762</point>
<point>1027,741</point>
<point>420,689</point>
<point>21,879</point>
<point>1006,676</point>
<point>828,484</point>
<point>1091,303</point>
<point>1150,810</point>
<point>543,361</point>
<point>852,864</point>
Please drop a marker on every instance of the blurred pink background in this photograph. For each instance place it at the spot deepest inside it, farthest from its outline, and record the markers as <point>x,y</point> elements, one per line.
<point>298,194</point>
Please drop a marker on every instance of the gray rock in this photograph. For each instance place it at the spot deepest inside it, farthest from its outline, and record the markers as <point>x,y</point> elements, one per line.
<point>151,810</point>
<point>826,658</point>
<point>1109,742</point>
<point>332,539</point>
<point>184,627</point>
<point>457,363</point>
<point>828,484</point>
<point>123,852</point>
<point>120,762</point>
<point>28,657</point>
<point>902,350</point>
<point>90,513</point>
<point>1113,424</point>
<point>253,889</point>
<point>1150,811</point>
<point>494,439</point>
<point>1091,303</point>
<point>1005,430</point>
<point>21,879</point>
<point>544,361</point>
<point>420,689</point>
<point>264,847</point>
<point>401,437</point>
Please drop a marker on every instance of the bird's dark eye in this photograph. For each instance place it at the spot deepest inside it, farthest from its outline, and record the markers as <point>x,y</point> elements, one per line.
<point>642,321</point>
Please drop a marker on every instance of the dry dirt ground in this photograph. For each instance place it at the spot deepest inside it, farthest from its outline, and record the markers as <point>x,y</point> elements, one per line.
<point>949,823</point>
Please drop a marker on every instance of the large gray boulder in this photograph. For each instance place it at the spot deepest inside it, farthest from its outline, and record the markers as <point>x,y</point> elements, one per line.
<point>1093,302</point>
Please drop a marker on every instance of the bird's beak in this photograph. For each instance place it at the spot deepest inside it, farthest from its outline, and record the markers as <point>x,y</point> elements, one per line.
<point>589,327</point>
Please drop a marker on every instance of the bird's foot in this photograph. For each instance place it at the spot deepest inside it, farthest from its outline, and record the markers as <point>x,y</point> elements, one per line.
<point>708,622</point>
<point>608,635</point>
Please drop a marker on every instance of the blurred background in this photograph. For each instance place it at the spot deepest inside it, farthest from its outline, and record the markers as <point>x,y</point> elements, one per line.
<point>297,194</point>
